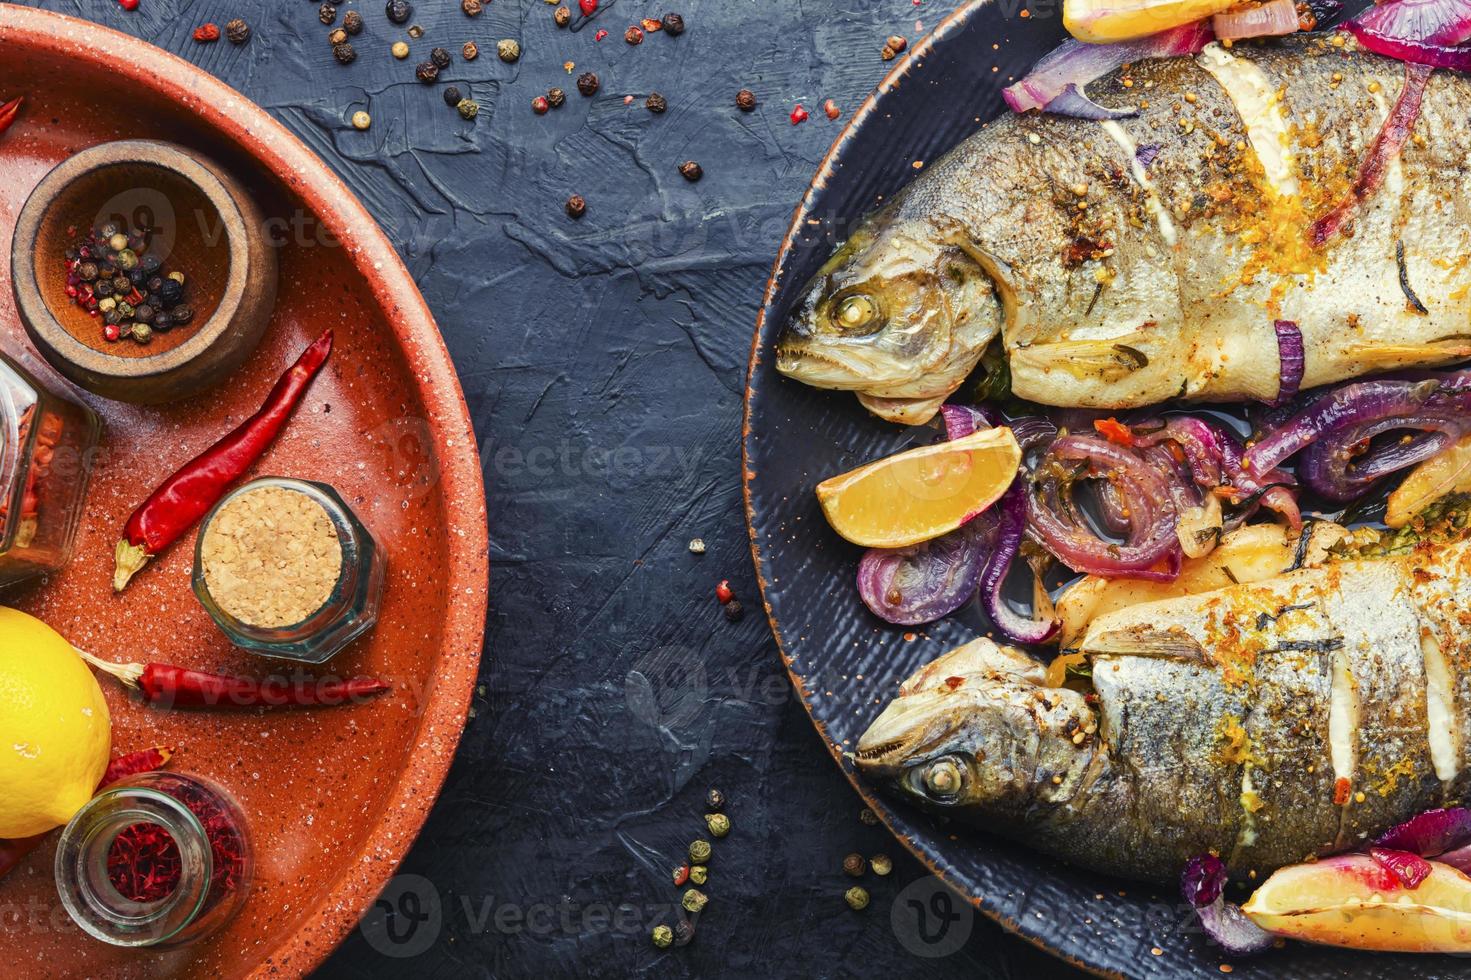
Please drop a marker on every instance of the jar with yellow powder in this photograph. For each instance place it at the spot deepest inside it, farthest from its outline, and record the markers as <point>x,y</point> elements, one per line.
<point>288,570</point>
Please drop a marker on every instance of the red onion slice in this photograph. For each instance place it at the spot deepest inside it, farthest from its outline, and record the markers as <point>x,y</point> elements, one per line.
<point>963,420</point>
<point>1460,859</point>
<point>1012,525</point>
<point>1292,357</point>
<point>1074,64</point>
<point>929,581</point>
<point>1203,885</point>
<point>1410,869</point>
<point>1445,22</point>
<point>1431,833</point>
<point>1275,17</point>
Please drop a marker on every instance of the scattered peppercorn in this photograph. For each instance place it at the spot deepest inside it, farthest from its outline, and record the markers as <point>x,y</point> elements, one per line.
<point>868,818</point>
<point>353,22</point>
<point>634,35</point>
<point>699,874</point>
<point>745,100</point>
<point>857,898</point>
<point>508,51</point>
<point>472,8</point>
<point>576,206</point>
<point>361,120</point>
<point>562,15</point>
<point>207,33</point>
<point>714,799</point>
<point>400,50</point>
<point>681,875</point>
<point>673,25</point>
<point>468,108</point>
<point>831,108</point>
<point>734,610</point>
<point>694,900</point>
<point>540,105</point>
<point>723,591</point>
<point>440,57</point>
<point>416,32</point>
<point>897,42</point>
<point>718,823</point>
<point>699,852</point>
<point>853,865</point>
<point>399,11</point>
<point>426,72</point>
<point>684,931</point>
<point>588,7</point>
<point>338,36</point>
<point>881,864</point>
<point>655,103</point>
<point>344,53</point>
<point>663,937</point>
<point>470,51</point>
<point>327,14</point>
<point>142,333</point>
<point>556,98</point>
<point>452,96</point>
<point>587,83</point>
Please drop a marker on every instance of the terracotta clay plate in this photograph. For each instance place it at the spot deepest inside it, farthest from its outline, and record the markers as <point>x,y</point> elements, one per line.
<point>844,661</point>
<point>334,797</point>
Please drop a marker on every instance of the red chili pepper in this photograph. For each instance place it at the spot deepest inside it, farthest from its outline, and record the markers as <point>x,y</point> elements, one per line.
<point>188,495</point>
<point>12,851</point>
<point>10,111</point>
<point>207,33</point>
<point>1114,431</point>
<point>723,591</point>
<point>167,686</point>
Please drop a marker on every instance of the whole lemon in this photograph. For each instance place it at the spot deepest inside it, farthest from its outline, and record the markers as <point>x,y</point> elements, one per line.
<point>55,732</point>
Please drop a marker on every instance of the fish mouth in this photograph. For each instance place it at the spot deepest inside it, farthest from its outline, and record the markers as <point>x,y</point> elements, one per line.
<point>906,731</point>
<point>828,368</point>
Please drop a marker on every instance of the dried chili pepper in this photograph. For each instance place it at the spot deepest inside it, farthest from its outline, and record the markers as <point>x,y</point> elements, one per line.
<point>10,111</point>
<point>188,495</point>
<point>167,686</point>
<point>207,33</point>
<point>13,850</point>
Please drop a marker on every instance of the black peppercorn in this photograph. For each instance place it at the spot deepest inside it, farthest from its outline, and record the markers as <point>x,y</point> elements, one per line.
<point>655,103</point>
<point>854,865</point>
<point>144,313</point>
<point>673,25</point>
<point>715,800</point>
<point>122,285</point>
<point>576,206</point>
<point>103,288</point>
<point>338,36</point>
<point>237,31</point>
<point>170,292</point>
<point>427,72</point>
<point>745,100</point>
<point>163,322</point>
<point>587,83</point>
<point>353,22</point>
<point>344,53</point>
<point>399,11</point>
<point>180,314</point>
<point>452,96</point>
<point>470,51</point>
<point>155,284</point>
<point>733,609</point>
<point>137,277</point>
<point>692,171</point>
<point>440,57</point>
<point>150,264</point>
<point>634,35</point>
<point>87,271</point>
<point>562,15</point>
<point>472,8</point>
<point>556,98</point>
<point>327,14</point>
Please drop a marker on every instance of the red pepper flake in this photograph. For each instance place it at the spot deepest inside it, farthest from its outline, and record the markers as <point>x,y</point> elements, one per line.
<point>651,24</point>
<point>1114,431</point>
<point>723,591</point>
<point>681,875</point>
<point>600,35</point>
<point>799,114</point>
<point>951,683</point>
<point>831,108</point>
<point>1341,790</point>
<point>207,33</point>
<point>587,7</point>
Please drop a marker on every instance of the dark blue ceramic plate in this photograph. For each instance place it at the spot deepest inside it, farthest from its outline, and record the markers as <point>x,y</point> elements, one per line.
<point>844,661</point>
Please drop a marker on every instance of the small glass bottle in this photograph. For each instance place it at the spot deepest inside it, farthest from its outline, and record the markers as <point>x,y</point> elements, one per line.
<point>158,859</point>
<point>46,446</point>
<point>349,611</point>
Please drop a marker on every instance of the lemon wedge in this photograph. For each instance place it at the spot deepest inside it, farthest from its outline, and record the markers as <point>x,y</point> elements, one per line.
<point>923,493</point>
<point>1438,476</point>
<point>1107,21</point>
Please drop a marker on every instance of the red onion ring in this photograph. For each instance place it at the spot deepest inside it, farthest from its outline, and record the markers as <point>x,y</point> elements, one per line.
<point>1012,525</point>
<point>1431,833</point>
<point>1445,22</point>
<point>1203,885</point>
<point>1293,361</point>
<point>925,582</point>
<point>1074,64</point>
<point>1275,17</point>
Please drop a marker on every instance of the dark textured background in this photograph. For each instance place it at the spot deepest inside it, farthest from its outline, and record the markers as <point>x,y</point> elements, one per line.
<point>604,364</point>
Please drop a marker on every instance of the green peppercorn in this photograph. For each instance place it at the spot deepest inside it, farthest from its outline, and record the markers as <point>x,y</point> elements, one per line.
<point>427,72</point>
<point>556,98</point>
<point>656,103</point>
<point>714,799</point>
<point>881,864</point>
<point>327,14</point>
<point>468,108</point>
<point>694,900</point>
<point>127,260</point>
<point>673,25</point>
<point>562,15</point>
<point>344,53</point>
<point>853,865</point>
<point>142,333</point>
<point>117,242</point>
<point>587,84</point>
<point>857,898</point>
<point>508,51</point>
<point>699,873</point>
<point>440,57</point>
<point>453,96</point>
<point>352,22</point>
<point>699,852</point>
<point>663,936</point>
<point>718,823</point>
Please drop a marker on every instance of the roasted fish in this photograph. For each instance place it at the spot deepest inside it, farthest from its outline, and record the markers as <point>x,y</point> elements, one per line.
<point>1131,261</point>
<point>1269,722</point>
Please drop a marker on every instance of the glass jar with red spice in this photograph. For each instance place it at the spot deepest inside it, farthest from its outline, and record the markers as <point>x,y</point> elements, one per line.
<point>46,450</point>
<point>157,859</point>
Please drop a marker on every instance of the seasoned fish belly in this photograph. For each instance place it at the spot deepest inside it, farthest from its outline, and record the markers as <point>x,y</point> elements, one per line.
<point>1269,722</point>
<point>1136,260</point>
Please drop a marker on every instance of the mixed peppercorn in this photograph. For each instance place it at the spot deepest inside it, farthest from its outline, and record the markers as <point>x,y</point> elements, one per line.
<point>694,872</point>
<point>112,275</point>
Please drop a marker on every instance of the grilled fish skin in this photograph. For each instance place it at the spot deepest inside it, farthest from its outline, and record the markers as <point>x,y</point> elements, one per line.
<point>1142,259</point>
<point>1268,722</point>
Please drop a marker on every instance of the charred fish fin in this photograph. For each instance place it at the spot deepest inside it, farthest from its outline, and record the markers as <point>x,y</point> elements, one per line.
<point>1144,641</point>
<point>1266,619</point>
<point>1404,279</point>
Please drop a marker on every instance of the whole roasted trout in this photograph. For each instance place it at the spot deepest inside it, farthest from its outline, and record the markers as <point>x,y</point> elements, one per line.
<point>1267,722</point>
<point>1131,261</point>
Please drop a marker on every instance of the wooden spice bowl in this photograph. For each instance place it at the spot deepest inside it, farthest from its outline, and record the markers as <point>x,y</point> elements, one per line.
<point>204,223</point>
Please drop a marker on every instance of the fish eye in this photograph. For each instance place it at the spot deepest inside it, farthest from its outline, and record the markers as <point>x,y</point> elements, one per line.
<point>855,313</point>
<point>944,779</point>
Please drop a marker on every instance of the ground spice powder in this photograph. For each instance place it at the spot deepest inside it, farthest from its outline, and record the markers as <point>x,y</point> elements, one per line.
<point>271,557</point>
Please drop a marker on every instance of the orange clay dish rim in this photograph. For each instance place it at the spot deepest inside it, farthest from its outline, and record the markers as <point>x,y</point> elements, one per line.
<point>825,171</point>
<point>234,116</point>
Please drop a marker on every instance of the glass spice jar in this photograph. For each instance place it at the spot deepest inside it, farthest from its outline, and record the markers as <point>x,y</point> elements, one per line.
<point>158,859</point>
<point>249,551</point>
<point>46,447</point>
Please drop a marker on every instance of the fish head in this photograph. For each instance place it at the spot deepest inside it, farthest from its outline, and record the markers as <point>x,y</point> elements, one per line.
<point>900,315</point>
<point>978,731</point>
